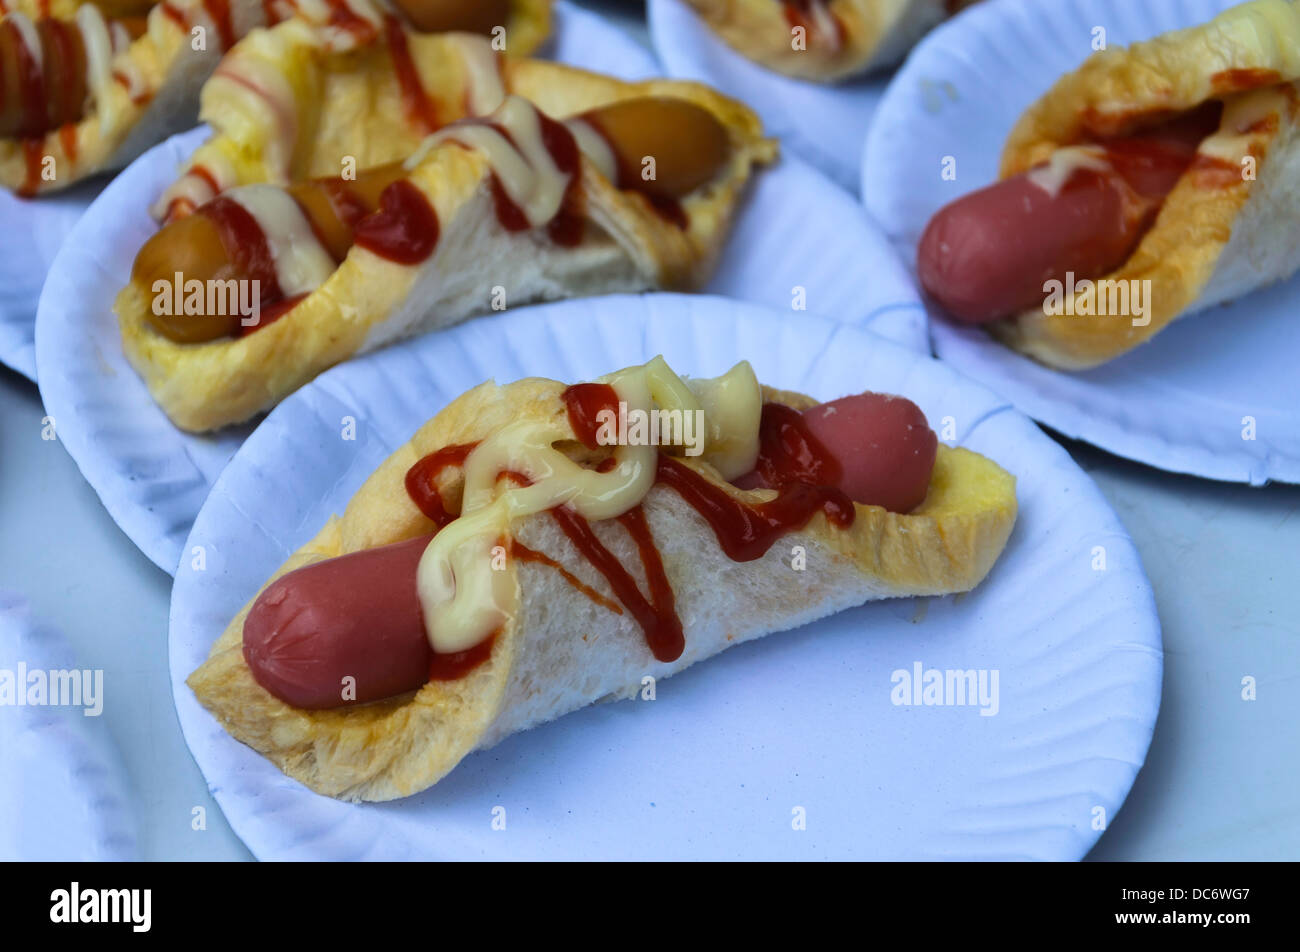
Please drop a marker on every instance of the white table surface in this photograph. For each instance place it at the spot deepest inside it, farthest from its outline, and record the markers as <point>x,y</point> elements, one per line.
<point>1220,781</point>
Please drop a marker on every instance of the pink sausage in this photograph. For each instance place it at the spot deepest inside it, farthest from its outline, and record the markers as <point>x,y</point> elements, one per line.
<point>356,616</point>
<point>885,447</point>
<point>883,444</point>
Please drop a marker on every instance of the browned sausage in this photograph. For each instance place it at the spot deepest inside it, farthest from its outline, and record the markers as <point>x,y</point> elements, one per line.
<point>35,100</point>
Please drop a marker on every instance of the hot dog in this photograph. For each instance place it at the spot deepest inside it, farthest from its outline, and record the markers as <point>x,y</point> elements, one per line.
<point>987,255</point>
<point>43,81</point>
<point>688,143</point>
<point>358,616</point>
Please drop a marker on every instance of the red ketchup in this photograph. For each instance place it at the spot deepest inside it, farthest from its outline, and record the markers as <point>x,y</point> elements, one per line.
<point>245,244</point>
<point>416,102</point>
<point>566,227</point>
<point>403,229</point>
<point>219,11</point>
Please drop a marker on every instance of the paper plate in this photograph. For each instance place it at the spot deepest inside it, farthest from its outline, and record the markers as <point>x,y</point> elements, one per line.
<point>826,124</point>
<point>1215,394</point>
<point>63,791</point>
<point>736,749</point>
<point>796,235</point>
<point>34,230</point>
<point>31,233</point>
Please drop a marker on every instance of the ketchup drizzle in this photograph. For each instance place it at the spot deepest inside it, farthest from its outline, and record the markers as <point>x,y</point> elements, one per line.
<point>566,228</point>
<point>219,11</point>
<point>403,229</point>
<point>524,554</point>
<point>657,615</point>
<point>342,17</point>
<point>658,619</point>
<point>792,461</point>
<point>245,243</point>
<point>584,402</point>
<point>422,481</point>
<point>174,14</point>
<point>745,532</point>
<point>419,108</point>
<point>210,180</point>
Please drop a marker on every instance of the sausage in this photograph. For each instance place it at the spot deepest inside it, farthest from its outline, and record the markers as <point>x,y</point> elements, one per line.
<point>987,255</point>
<point>465,16</point>
<point>690,146</point>
<point>883,445</point>
<point>38,98</point>
<point>357,616</point>
<point>687,142</point>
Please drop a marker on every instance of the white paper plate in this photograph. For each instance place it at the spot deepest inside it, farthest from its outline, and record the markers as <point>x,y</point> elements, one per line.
<point>716,765</point>
<point>31,233</point>
<point>63,790</point>
<point>826,124</point>
<point>795,228</point>
<point>1179,402</point>
<point>34,230</point>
